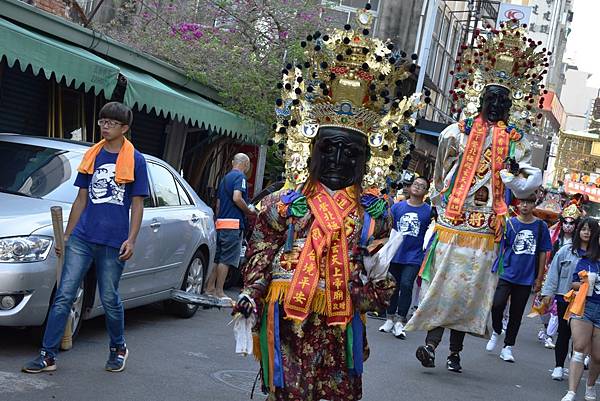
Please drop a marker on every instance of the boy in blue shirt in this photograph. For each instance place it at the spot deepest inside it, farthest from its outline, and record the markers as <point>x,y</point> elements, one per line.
<point>112,178</point>
<point>527,241</point>
<point>411,218</point>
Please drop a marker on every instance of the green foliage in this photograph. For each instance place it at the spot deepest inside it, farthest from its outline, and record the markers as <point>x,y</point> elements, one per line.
<point>235,46</point>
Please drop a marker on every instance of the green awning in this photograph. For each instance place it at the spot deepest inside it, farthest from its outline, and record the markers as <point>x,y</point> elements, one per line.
<point>144,90</point>
<point>72,63</point>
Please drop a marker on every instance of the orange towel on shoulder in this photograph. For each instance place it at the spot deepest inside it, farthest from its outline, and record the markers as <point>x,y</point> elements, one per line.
<point>577,299</point>
<point>125,167</point>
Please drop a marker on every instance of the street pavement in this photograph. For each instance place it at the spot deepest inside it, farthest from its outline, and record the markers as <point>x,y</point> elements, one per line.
<point>193,359</point>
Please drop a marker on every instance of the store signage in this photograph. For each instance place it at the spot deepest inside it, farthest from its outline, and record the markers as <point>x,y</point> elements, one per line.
<point>579,188</point>
<point>509,12</point>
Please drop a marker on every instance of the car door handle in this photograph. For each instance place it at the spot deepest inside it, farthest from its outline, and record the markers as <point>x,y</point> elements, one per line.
<point>195,218</point>
<point>154,225</point>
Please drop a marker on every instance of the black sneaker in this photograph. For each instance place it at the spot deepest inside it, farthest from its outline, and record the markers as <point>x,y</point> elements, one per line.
<point>43,363</point>
<point>453,363</point>
<point>426,354</point>
<point>117,359</point>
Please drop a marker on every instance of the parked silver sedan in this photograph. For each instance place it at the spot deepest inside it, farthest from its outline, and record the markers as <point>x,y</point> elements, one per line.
<point>174,249</point>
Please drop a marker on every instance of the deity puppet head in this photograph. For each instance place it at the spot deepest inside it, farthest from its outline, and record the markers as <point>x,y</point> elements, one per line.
<point>496,103</point>
<point>501,76</point>
<point>348,84</point>
<point>338,157</point>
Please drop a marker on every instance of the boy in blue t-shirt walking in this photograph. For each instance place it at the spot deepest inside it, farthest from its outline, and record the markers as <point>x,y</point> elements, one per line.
<point>411,218</point>
<point>527,241</point>
<point>112,178</point>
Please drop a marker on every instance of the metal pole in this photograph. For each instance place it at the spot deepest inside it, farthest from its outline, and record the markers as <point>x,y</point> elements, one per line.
<point>420,27</point>
<point>426,43</point>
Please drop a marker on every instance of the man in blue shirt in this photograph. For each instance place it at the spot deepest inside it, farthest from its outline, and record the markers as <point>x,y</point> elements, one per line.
<point>112,179</point>
<point>526,243</point>
<point>411,218</point>
<point>232,208</point>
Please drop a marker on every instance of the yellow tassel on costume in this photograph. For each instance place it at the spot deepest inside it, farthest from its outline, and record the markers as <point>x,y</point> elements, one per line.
<point>465,239</point>
<point>278,290</point>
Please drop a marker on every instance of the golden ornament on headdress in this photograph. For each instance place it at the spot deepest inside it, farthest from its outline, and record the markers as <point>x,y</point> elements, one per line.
<point>506,58</point>
<point>352,81</point>
<point>572,212</point>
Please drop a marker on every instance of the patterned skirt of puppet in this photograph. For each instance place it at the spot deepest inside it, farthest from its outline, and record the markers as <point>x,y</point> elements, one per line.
<point>457,282</point>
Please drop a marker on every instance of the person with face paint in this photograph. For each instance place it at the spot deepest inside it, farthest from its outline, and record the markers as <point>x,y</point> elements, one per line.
<point>561,234</point>
<point>480,160</point>
<point>316,259</point>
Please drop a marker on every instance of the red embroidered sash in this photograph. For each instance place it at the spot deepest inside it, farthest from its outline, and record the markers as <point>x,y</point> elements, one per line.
<point>469,163</point>
<point>326,231</point>
<point>467,169</point>
<point>500,145</point>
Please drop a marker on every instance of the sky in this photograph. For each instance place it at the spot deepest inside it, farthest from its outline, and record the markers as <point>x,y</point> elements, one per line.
<point>583,41</point>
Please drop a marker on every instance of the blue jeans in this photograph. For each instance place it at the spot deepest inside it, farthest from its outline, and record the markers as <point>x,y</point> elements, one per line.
<point>591,314</point>
<point>79,255</point>
<point>405,276</point>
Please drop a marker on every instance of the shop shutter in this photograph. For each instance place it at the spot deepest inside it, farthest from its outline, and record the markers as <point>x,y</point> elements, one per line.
<point>23,101</point>
<point>148,133</point>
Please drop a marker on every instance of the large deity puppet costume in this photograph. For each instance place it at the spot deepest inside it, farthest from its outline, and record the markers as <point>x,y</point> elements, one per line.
<point>497,87</point>
<point>340,120</point>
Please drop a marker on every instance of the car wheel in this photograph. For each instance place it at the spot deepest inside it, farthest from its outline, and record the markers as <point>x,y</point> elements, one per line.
<point>193,282</point>
<point>75,315</point>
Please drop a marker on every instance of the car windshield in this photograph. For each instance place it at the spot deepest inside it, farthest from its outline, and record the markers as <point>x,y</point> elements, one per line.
<point>38,171</point>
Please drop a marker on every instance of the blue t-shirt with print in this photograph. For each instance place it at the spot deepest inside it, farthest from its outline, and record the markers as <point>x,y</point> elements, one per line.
<point>592,267</point>
<point>524,241</point>
<point>412,222</point>
<point>235,180</point>
<point>105,219</point>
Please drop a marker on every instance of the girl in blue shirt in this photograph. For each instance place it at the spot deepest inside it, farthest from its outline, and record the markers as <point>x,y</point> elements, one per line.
<point>558,283</point>
<point>586,328</point>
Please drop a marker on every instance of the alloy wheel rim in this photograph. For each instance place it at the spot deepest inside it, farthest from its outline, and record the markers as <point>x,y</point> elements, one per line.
<point>76,309</point>
<point>195,277</point>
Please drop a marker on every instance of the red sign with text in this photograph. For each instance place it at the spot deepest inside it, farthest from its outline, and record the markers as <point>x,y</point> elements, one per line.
<point>579,188</point>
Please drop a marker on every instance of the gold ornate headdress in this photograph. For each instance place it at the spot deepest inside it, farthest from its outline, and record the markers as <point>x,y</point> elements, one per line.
<point>348,80</point>
<point>507,58</point>
<point>571,211</point>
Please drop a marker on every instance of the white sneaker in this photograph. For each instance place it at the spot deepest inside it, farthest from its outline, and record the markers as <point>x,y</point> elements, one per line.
<point>570,396</point>
<point>548,343</point>
<point>590,393</point>
<point>542,335</point>
<point>398,331</point>
<point>387,326</point>
<point>491,345</point>
<point>506,354</point>
<point>557,373</point>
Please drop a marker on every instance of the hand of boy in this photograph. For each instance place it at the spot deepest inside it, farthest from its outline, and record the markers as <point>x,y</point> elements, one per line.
<point>126,251</point>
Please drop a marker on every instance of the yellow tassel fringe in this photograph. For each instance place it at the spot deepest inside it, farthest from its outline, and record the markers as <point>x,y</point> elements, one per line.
<point>466,239</point>
<point>278,290</point>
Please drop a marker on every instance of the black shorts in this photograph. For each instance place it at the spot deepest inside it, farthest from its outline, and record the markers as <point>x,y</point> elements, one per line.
<point>229,247</point>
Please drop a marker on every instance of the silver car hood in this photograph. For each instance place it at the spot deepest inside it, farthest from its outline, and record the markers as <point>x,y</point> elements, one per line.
<point>21,215</point>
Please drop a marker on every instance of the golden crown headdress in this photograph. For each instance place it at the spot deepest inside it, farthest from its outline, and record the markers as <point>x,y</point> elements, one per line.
<point>348,80</point>
<point>504,57</point>
<point>571,211</point>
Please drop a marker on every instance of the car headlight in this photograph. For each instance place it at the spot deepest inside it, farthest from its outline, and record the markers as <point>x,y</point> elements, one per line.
<point>24,249</point>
